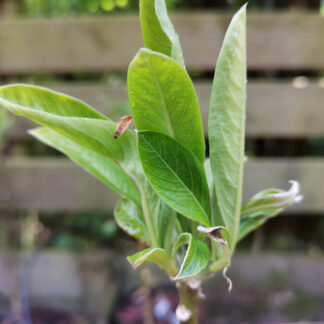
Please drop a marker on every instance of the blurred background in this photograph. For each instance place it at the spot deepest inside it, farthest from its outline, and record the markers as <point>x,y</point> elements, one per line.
<point>62,257</point>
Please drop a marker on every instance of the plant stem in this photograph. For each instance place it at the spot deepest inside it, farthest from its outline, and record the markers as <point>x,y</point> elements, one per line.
<point>146,214</point>
<point>190,297</point>
<point>146,290</point>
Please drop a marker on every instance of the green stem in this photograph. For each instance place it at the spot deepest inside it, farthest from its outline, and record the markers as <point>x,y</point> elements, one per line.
<point>168,237</point>
<point>189,302</point>
<point>148,220</point>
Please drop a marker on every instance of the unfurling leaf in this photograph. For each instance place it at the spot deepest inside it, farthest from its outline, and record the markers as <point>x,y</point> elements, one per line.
<point>196,257</point>
<point>122,126</point>
<point>155,255</point>
<point>266,204</point>
<point>176,175</point>
<point>226,124</point>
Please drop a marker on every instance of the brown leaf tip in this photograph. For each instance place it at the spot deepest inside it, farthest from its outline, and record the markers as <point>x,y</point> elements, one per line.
<point>123,125</point>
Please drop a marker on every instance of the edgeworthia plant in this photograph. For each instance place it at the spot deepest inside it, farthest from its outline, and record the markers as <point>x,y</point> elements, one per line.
<point>186,210</point>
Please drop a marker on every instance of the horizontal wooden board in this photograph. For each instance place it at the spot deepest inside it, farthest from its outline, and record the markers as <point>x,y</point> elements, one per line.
<point>59,185</point>
<point>273,109</point>
<point>275,41</point>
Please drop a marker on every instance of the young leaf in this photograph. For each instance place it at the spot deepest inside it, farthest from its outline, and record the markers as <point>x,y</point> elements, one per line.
<point>164,100</point>
<point>266,204</point>
<point>74,120</point>
<point>226,124</point>
<point>155,255</point>
<point>176,175</point>
<point>196,257</point>
<point>98,165</point>
<point>130,219</point>
<point>158,32</point>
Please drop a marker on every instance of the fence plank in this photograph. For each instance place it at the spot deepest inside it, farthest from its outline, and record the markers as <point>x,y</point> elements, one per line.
<point>275,41</point>
<point>274,109</point>
<point>55,184</point>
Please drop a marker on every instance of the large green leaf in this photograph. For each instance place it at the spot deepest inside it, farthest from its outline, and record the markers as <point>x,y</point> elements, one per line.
<point>129,218</point>
<point>227,123</point>
<point>73,119</point>
<point>196,257</point>
<point>176,174</point>
<point>155,255</point>
<point>158,32</point>
<point>98,165</point>
<point>163,100</point>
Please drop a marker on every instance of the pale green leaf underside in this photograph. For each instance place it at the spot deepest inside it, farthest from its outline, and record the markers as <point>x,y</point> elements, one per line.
<point>227,123</point>
<point>164,100</point>
<point>74,120</point>
<point>196,257</point>
<point>155,255</point>
<point>176,175</point>
<point>98,165</point>
<point>130,219</point>
<point>158,32</point>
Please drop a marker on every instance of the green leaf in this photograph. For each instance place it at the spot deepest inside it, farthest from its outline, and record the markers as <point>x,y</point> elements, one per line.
<point>176,175</point>
<point>73,119</point>
<point>266,204</point>
<point>130,219</point>
<point>164,100</point>
<point>227,123</point>
<point>158,32</point>
<point>196,257</point>
<point>155,255</point>
<point>98,165</point>
<point>21,97</point>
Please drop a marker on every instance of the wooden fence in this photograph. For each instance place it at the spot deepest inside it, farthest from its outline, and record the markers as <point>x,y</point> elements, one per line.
<point>276,108</point>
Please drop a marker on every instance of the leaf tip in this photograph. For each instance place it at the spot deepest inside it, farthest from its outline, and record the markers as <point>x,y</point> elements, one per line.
<point>122,126</point>
<point>229,281</point>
